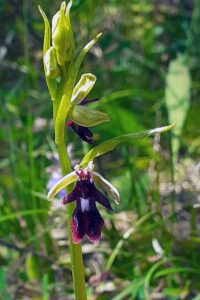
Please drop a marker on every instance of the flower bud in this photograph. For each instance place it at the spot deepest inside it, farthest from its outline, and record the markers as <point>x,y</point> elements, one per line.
<point>51,65</point>
<point>62,37</point>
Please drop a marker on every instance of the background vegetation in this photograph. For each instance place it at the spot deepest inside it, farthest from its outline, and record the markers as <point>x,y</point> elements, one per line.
<point>147,64</point>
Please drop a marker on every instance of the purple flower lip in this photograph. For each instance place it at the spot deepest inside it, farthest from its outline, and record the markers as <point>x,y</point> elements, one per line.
<point>83,132</point>
<point>86,219</point>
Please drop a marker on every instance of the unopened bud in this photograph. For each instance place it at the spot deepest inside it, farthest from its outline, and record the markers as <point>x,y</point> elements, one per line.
<point>62,35</point>
<point>51,65</point>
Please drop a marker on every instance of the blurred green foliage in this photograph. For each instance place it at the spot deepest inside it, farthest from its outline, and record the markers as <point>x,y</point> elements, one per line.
<point>150,245</point>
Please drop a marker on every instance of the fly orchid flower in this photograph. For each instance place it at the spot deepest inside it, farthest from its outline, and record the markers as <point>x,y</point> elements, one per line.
<point>86,219</point>
<point>83,132</point>
<point>80,116</point>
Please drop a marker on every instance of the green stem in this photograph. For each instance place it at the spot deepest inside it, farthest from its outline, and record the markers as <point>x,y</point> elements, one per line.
<point>61,106</point>
<point>75,250</point>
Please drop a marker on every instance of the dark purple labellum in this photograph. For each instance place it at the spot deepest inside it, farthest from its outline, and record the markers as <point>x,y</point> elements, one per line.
<point>87,222</point>
<point>86,219</point>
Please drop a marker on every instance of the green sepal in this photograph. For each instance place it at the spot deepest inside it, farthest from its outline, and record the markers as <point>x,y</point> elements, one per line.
<point>107,186</point>
<point>86,117</point>
<point>82,88</point>
<point>61,184</point>
<point>111,144</point>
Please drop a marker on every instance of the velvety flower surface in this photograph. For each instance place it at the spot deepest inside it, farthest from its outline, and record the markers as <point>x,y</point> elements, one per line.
<point>84,133</point>
<point>86,219</point>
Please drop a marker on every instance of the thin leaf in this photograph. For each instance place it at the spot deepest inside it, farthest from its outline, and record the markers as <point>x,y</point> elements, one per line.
<point>3,283</point>
<point>126,138</point>
<point>44,287</point>
<point>177,96</point>
<point>170,271</point>
<point>124,293</point>
<point>22,213</point>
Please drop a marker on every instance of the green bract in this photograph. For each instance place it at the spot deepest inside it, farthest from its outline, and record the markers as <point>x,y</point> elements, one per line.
<point>111,144</point>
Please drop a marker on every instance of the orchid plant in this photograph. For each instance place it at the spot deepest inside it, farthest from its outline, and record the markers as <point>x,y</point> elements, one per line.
<point>69,100</point>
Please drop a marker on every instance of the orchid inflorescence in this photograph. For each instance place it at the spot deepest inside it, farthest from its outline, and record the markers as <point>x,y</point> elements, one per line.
<point>70,100</point>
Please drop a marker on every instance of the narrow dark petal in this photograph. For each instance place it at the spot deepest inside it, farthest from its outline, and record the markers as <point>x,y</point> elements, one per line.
<point>94,226</point>
<point>78,225</point>
<point>86,101</point>
<point>70,197</point>
<point>99,197</point>
<point>73,126</point>
<point>83,132</point>
<point>75,194</point>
